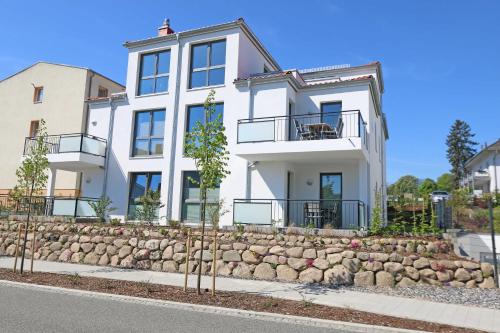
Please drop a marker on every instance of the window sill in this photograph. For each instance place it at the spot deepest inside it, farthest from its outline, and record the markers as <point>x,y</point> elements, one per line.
<point>146,157</point>
<point>150,95</point>
<point>207,87</point>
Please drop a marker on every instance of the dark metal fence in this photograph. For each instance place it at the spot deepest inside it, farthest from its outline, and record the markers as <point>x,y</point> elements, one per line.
<point>337,214</point>
<point>47,206</point>
<point>312,126</point>
<point>69,143</point>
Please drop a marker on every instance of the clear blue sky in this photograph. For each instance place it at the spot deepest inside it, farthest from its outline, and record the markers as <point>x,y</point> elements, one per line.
<point>440,58</point>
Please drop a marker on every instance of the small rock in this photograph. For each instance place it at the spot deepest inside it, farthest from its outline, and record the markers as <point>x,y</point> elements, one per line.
<point>321,263</point>
<point>297,263</point>
<point>295,252</point>
<point>249,257</point>
<point>309,254</point>
<point>261,250</point>
<point>231,255</point>
<point>393,267</point>
<point>470,265</point>
<point>421,263</point>
<point>406,282</point>
<point>462,275</point>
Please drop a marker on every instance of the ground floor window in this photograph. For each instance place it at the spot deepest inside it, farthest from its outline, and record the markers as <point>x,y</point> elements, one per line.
<point>140,183</point>
<point>191,197</point>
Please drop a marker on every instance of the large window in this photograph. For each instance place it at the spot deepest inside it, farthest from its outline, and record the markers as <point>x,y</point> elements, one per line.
<point>140,183</point>
<point>330,113</point>
<point>208,64</point>
<point>191,197</point>
<point>149,129</point>
<point>154,72</point>
<point>196,113</point>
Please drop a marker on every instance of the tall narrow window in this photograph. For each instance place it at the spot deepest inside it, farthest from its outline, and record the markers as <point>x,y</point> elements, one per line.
<point>149,130</point>
<point>196,113</point>
<point>191,197</point>
<point>208,64</point>
<point>140,183</point>
<point>38,95</point>
<point>102,92</point>
<point>154,72</point>
<point>34,125</point>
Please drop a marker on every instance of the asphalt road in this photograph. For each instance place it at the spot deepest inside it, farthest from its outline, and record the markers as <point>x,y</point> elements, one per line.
<point>34,310</point>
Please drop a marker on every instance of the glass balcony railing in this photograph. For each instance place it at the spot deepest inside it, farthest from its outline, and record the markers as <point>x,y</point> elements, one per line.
<point>69,143</point>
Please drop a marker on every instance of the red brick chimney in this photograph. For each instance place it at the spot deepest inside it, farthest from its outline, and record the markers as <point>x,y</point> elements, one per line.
<point>165,28</point>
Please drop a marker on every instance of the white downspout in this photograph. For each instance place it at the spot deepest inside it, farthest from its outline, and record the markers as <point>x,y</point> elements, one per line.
<point>248,187</point>
<point>174,132</point>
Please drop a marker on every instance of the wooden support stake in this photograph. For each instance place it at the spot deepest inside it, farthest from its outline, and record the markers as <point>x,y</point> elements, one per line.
<point>33,246</point>
<point>17,245</point>
<point>214,261</point>
<point>188,245</point>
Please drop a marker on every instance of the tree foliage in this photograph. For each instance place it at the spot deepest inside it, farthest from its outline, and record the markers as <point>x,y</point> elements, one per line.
<point>102,208</point>
<point>148,207</point>
<point>32,173</point>
<point>426,188</point>
<point>445,182</point>
<point>405,185</point>
<point>461,148</point>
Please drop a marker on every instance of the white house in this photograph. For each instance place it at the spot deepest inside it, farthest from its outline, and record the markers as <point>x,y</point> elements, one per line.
<point>483,170</point>
<point>306,146</point>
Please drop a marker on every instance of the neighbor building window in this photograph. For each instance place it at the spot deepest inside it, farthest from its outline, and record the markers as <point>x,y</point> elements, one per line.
<point>208,64</point>
<point>102,92</point>
<point>34,125</point>
<point>154,72</point>
<point>191,197</point>
<point>38,95</point>
<point>149,128</point>
<point>196,113</point>
<point>140,183</point>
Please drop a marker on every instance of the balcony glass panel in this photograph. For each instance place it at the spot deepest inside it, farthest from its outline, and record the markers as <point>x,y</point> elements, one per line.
<point>256,131</point>
<point>70,144</point>
<point>252,213</point>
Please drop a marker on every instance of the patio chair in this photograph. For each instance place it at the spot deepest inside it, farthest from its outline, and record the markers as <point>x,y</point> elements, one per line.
<point>313,214</point>
<point>336,132</point>
<point>302,133</point>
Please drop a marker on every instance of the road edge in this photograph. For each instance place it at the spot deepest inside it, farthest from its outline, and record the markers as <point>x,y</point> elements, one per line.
<point>281,318</point>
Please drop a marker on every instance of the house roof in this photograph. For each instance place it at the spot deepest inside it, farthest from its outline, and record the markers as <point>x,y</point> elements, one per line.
<point>240,22</point>
<point>494,147</point>
<point>63,65</point>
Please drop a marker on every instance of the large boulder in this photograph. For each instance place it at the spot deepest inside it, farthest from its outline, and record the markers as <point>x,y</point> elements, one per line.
<point>297,263</point>
<point>338,275</point>
<point>352,265</point>
<point>100,248</point>
<point>231,255</point>
<point>259,249</point>
<point>65,255</point>
<point>393,267</point>
<point>384,279</point>
<point>311,275</point>
<point>278,250</point>
<point>321,263</point>
<point>309,254</point>
<point>170,266</point>
<point>334,258</point>
<point>264,271</point>
<point>295,252</point>
<point>364,279</point>
<point>421,263</point>
<point>286,273</point>
<point>249,257</point>
<point>462,275</point>
<point>242,271</point>
<point>152,244</point>
<point>91,258</point>
<point>168,253</point>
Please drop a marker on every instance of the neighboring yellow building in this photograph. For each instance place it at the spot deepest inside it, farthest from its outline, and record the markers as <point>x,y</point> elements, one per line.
<point>58,94</point>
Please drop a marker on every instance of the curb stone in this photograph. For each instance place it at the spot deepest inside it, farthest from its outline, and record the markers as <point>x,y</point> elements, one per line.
<point>288,319</point>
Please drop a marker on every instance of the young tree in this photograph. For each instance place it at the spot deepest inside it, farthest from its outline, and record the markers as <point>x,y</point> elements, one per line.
<point>445,182</point>
<point>32,173</point>
<point>102,208</point>
<point>206,143</point>
<point>460,148</point>
<point>426,188</point>
<point>149,204</point>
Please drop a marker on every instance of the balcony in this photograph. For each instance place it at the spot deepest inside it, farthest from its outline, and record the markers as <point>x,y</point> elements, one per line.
<point>47,206</point>
<point>314,135</point>
<point>337,214</point>
<point>72,152</point>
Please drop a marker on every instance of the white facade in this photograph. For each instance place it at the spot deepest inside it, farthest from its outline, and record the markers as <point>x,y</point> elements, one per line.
<point>275,171</point>
<point>483,171</point>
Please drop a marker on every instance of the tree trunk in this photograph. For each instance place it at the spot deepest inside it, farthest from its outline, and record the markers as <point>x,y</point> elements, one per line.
<point>202,218</point>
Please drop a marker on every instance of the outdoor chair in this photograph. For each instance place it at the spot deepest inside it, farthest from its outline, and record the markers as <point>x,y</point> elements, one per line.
<point>313,214</point>
<point>302,133</point>
<point>336,132</point>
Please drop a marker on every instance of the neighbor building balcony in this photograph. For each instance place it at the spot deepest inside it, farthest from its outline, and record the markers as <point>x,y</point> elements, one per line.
<point>72,152</point>
<point>342,134</point>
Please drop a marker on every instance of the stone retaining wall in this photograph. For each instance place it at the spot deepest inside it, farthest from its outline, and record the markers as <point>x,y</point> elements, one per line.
<point>291,258</point>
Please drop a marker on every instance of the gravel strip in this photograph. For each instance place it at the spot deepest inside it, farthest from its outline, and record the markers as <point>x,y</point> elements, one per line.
<point>486,298</point>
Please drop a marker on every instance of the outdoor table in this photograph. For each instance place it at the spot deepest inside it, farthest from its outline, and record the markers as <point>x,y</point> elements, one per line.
<point>318,129</point>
